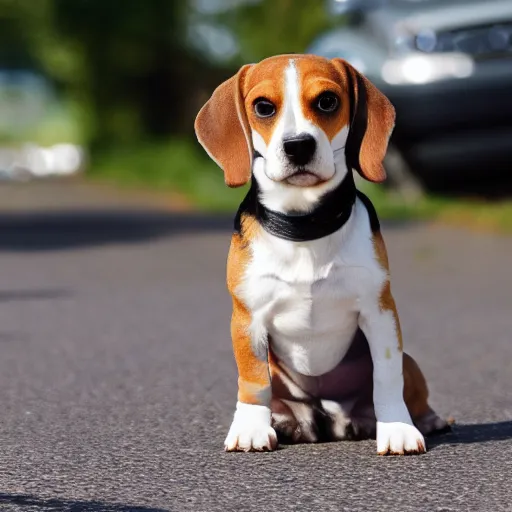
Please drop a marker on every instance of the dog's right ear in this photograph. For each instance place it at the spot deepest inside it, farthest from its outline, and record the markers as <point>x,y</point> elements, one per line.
<point>223,130</point>
<point>372,121</point>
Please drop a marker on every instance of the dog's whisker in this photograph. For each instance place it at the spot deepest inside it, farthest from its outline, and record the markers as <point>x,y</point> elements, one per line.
<point>338,149</point>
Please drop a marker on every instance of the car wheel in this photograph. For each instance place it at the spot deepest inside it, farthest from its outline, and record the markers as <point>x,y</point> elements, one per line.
<point>400,175</point>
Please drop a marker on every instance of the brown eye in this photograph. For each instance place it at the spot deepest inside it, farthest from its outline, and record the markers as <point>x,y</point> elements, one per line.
<point>327,102</point>
<point>264,108</point>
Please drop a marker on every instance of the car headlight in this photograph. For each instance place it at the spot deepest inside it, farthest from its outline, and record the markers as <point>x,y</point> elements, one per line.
<point>422,69</point>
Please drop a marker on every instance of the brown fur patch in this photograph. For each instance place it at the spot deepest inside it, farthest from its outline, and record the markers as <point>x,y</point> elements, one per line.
<point>253,372</point>
<point>387,303</point>
<point>386,300</point>
<point>317,76</point>
<point>380,123</point>
<point>223,130</point>
<point>380,250</point>
<point>265,80</point>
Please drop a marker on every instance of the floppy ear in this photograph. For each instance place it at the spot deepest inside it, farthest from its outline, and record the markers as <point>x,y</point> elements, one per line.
<point>223,130</point>
<point>372,118</point>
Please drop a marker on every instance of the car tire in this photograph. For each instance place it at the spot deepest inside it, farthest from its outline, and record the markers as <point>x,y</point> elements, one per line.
<point>401,177</point>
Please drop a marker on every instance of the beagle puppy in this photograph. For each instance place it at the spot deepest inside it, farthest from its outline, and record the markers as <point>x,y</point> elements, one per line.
<point>315,329</point>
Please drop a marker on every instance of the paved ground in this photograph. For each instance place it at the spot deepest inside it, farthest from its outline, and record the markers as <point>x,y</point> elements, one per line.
<point>118,384</point>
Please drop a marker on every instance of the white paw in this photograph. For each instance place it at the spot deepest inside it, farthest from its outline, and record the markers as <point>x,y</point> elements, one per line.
<point>397,438</point>
<point>251,430</point>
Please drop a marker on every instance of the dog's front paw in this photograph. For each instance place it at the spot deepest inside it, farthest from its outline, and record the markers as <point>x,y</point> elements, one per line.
<point>251,430</point>
<point>396,438</point>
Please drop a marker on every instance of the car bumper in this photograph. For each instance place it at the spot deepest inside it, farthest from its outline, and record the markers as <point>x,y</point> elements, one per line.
<point>457,126</point>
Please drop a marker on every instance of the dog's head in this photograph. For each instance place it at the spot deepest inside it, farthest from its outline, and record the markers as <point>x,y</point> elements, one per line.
<point>299,123</point>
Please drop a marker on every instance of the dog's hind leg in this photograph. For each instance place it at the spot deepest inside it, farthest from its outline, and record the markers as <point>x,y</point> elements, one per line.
<point>416,399</point>
<point>293,421</point>
<point>292,411</point>
<point>298,417</point>
<point>311,422</point>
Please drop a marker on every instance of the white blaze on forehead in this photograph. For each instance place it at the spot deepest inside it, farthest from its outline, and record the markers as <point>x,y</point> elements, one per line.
<point>293,121</point>
<point>291,97</point>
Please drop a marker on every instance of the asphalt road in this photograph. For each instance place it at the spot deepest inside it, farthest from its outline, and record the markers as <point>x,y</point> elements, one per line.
<point>118,384</point>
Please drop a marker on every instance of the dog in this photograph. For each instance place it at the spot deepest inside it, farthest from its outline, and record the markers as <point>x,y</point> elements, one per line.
<point>315,329</point>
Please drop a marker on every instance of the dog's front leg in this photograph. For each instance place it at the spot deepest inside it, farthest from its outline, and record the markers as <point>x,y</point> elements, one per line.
<point>251,428</point>
<point>396,433</point>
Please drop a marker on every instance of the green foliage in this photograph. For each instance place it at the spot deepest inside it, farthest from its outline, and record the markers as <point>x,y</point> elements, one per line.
<point>176,165</point>
<point>123,61</point>
<point>126,48</point>
<point>129,88</point>
<point>125,65</point>
<point>475,213</point>
<point>272,27</point>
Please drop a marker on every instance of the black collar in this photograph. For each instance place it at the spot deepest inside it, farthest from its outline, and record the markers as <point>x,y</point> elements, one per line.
<point>331,213</point>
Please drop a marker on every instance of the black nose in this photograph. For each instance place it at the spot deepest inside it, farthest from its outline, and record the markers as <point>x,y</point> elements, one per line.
<point>300,149</point>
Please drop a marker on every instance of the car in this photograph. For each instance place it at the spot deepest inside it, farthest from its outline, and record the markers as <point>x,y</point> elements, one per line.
<point>446,65</point>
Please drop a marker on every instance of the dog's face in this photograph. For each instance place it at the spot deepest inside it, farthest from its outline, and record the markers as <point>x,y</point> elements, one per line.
<point>295,120</point>
<point>299,119</point>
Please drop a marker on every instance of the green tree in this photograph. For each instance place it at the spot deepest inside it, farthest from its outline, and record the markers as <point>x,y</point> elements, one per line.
<point>273,27</point>
<point>126,65</point>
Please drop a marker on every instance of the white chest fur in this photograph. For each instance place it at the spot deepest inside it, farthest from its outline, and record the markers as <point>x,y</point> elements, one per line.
<point>306,296</point>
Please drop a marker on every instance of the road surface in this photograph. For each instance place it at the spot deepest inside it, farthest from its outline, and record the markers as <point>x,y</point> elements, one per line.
<point>118,383</point>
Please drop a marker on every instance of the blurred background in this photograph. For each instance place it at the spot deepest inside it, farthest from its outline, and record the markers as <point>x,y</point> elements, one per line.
<point>109,91</point>
<point>117,377</point>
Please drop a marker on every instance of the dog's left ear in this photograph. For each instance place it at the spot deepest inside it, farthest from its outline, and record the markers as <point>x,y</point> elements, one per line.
<point>223,130</point>
<point>372,119</point>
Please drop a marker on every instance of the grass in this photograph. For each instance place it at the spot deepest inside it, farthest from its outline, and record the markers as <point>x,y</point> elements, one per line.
<point>477,214</point>
<point>181,166</point>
